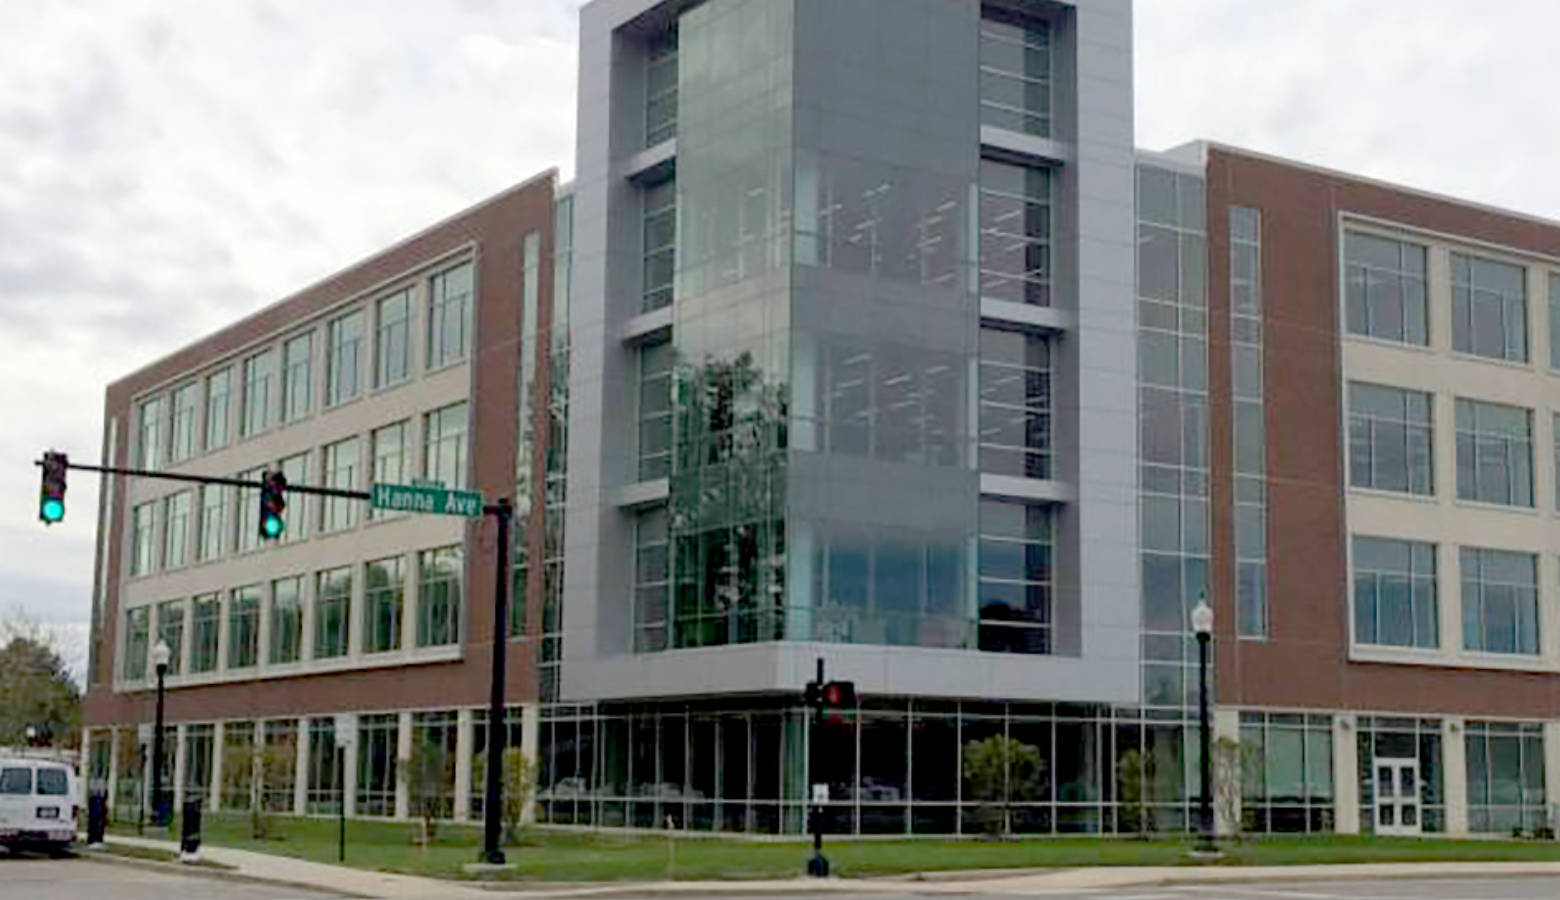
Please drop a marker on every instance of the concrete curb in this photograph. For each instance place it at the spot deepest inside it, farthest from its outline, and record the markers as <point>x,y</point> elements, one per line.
<point>217,872</point>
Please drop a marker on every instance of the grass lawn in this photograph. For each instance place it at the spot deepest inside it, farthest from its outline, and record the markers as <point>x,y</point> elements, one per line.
<point>558,856</point>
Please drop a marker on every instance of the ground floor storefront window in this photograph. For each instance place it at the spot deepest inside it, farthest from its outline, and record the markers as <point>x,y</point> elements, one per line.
<point>892,767</point>
<point>1505,777</point>
<point>1287,777</point>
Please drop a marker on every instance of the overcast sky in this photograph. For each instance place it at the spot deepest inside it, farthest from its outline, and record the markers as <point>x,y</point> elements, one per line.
<point>167,167</point>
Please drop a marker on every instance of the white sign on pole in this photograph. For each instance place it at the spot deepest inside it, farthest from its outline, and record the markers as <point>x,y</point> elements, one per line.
<point>346,730</point>
<point>820,793</point>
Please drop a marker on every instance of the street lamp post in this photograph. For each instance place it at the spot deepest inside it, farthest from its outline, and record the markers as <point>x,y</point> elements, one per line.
<point>1202,624</point>
<point>160,656</point>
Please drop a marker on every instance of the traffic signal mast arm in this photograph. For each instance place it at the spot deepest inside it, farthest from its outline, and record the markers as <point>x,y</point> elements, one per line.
<point>211,479</point>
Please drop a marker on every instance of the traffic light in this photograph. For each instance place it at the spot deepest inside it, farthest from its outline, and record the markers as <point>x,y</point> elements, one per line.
<point>273,502</point>
<point>830,695</point>
<point>51,496</point>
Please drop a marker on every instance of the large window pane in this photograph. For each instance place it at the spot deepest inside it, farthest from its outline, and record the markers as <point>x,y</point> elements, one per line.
<point>1395,593</point>
<point>1384,288</point>
<point>1489,308</point>
<point>1494,453</point>
<point>1500,601</point>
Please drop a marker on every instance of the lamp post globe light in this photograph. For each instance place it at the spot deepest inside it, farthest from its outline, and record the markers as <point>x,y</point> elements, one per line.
<point>160,656</point>
<point>1202,625</point>
<point>32,735</point>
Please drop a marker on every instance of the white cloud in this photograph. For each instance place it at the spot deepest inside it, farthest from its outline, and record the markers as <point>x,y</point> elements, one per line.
<point>172,165</point>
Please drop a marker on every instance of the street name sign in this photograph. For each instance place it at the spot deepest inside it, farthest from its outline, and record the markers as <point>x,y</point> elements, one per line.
<point>417,498</point>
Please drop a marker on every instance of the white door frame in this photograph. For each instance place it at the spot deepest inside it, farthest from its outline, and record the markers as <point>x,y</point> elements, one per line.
<point>1398,806</point>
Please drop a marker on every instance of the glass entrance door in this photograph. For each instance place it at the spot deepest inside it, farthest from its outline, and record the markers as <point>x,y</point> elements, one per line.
<point>1397,796</point>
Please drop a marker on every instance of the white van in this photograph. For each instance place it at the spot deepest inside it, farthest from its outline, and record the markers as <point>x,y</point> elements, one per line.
<point>37,804</point>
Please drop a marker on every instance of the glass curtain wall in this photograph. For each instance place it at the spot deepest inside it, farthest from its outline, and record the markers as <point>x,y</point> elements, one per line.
<point>1401,738</point>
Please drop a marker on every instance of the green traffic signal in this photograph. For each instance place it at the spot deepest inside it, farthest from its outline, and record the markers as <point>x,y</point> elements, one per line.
<point>52,510</point>
<point>272,527</point>
<point>51,493</point>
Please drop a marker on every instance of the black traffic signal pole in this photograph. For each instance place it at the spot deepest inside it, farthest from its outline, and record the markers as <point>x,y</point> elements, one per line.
<point>818,866</point>
<point>503,512</point>
<point>497,736</point>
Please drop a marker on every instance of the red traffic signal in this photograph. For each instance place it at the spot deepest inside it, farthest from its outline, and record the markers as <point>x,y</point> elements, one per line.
<point>831,695</point>
<point>273,502</point>
<point>51,495</point>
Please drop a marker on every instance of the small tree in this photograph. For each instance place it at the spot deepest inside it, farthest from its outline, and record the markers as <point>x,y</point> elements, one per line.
<point>1135,777</point>
<point>248,768</point>
<point>428,776</point>
<point>519,782</point>
<point>1001,770</point>
<point>1231,760</point>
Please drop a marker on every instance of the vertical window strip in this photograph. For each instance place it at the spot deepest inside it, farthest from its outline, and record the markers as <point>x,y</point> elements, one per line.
<point>1246,366</point>
<point>661,87</point>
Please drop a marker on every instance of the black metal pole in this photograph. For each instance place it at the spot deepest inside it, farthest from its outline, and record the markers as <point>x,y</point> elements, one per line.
<point>158,818</point>
<point>492,811</point>
<point>818,866</point>
<point>1205,800</point>
<point>341,803</point>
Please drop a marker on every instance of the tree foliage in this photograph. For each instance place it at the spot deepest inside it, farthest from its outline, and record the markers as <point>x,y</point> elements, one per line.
<point>1001,771</point>
<point>1135,779</point>
<point>429,777</point>
<point>35,687</point>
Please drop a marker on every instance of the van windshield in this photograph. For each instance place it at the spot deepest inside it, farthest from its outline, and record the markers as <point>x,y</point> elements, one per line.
<point>15,781</point>
<point>53,782</point>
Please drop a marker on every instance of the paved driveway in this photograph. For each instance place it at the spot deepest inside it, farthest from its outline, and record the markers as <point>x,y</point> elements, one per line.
<point>34,877</point>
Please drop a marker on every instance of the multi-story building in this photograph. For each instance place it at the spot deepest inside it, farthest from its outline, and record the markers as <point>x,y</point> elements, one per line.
<point>865,334</point>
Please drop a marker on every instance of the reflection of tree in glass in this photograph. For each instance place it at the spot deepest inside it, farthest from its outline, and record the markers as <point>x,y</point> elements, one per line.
<point>727,491</point>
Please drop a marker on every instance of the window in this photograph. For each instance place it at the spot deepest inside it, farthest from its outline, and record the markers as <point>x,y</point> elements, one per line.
<point>257,393</point>
<point>170,630</point>
<point>1015,232</point>
<point>219,393</point>
<point>1505,777</point>
<point>341,467</point>
<point>343,360</point>
<point>389,448</point>
<point>297,377</point>
<point>1556,432</point>
<point>1384,288</point>
<point>444,445</point>
<point>1015,403</point>
<point>434,739</point>
<point>1489,308</point>
<point>1015,577</point>
<point>213,521</point>
<point>296,470</point>
<point>244,627</point>
<point>143,522</point>
<point>449,315</point>
<point>1494,453</point>
<point>136,646</point>
<point>1248,413</point>
<point>176,530</point>
<point>324,788</point>
<point>151,433</point>
<point>660,244</point>
<point>1015,73</point>
<point>392,341</point>
<point>1394,593</point>
<point>382,602</point>
<point>1499,601</point>
<point>53,782</point>
<point>1390,439</point>
<point>238,744</point>
<point>286,620</point>
<point>652,575</point>
<point>185,401</point>
<point>661,87</point>
<point>16,781</point>
<point>1554,321</point>
<point>198,741</point>
<point>205,620</point>
<point>1287,784</point>
<point>376,747</point>
<point>438,602</point>
<point>332,605</point>
<point>655,411</point>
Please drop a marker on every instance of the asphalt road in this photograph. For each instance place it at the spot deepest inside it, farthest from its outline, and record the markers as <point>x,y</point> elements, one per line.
<point>1439,889</point>
<point>34,877</point>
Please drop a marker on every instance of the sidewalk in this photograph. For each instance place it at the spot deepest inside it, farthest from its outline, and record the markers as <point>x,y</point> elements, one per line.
<point>351,882</point>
